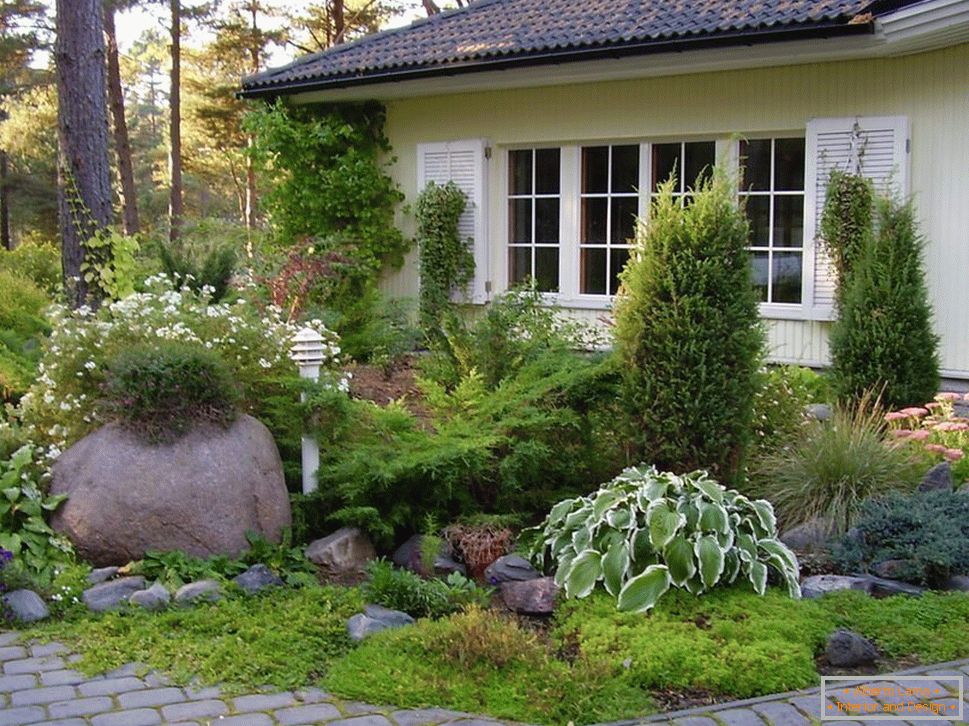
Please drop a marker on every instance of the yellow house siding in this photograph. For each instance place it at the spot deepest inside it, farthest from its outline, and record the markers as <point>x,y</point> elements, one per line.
<point>930,89</point>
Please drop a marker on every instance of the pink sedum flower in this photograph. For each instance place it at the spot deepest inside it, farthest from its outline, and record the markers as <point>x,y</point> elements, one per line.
<point>919,435</point>
<point>902,433</point>
<point>953,454</point>
<point>936,448</point>
<point>951,426</point>
<point>949,396</point>
<point>916,411</point>
<point>895,416</point>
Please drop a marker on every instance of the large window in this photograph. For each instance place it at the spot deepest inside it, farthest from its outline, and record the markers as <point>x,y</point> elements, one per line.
<point>609,200</point>
<point>773,192</point>
<point>688,160</point>
<point>534,235</point>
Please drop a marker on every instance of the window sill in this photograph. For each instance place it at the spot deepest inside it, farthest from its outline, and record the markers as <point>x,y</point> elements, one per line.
<point>589,302</point>
<point>782,311</point>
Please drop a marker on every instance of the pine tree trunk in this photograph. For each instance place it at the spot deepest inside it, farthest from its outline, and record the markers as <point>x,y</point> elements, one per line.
<point>84,175</point>
<point>339,23</point>
<point>5,241</point>
<point>122,146</point>
<point>251,193</point>
<point>175,202</point>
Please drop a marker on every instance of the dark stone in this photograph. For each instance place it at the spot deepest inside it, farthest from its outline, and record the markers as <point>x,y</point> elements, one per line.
<point>881,587</point>
<point>847,649</point>
<point>958,582</point>
<point>938,478</point>
<point>101,574</point>
<point>891,569</point>
<point>819,411</point>
<point>200,591</point>
<point>346,551</point>
<point>155,597</point>
<point>375,618</point>
<point>26,606</point>
<point>808,537</point>
<point>256,578</point>
<point>109,595</point>
<point>410,556</point>
<point>510,568</point>
<point>818,585</point>
<point>530,597</point>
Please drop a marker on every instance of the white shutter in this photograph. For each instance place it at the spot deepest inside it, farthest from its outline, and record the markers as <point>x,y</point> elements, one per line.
<point>464,163</point>
<point>876,147</point>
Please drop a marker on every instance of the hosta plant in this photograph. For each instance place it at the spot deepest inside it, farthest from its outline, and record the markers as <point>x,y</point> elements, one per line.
<point>646,531</point>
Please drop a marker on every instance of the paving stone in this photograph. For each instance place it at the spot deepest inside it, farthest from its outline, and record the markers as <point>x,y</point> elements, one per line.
<point>156,680</point>
<point>47,694</point>
<point>739,717</point>
<point>307,714</point>
<point>9,638</point>
<point>312,695</point>
<point>247,719</point>
<point>376,720</point>
<point>33,665</point>
<point>13,652</point>
<point>111,686</point>
<point>194,709</point>
<point>469,721</point>
<point>203,694</point>
<point>781,714</point>
<point>17,683</point>
<point>424,716</point>
<point>263,702</point>
<point>39,651</point>
<point>355,708</point>
<point>65,722</point>
<point>62,678</point>
<point>695,721</point>
<point>136,717</point>
<point>21,716</point>
<point>128,669</point>
<point>80,707</point>
<point>151,697</point>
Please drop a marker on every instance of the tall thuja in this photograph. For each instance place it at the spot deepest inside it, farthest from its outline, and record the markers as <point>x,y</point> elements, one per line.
<point>846,223</point>
<point>883,340</point>
<point>688,332</point>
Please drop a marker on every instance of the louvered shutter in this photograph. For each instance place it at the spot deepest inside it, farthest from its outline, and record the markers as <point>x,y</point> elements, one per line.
<point>877,147</point>
<point>464,163</point>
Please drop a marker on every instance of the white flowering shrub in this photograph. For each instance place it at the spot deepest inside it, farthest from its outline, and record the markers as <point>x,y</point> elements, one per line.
<point>60,407</point>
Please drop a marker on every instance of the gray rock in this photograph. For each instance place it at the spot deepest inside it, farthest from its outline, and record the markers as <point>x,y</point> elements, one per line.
<point>26,606</point>
<point>808,537</point>
<point>101,574</point>
<point>155,597</point>
<point>200,494</point>
<point>346,551</point>
<point>530,597</point>
<point>939,477</point>
<point>374,619</point>
<point>881,587</point>
<point>109,595</point>
<point>819,585</point>
<point>410,556</point>
<point>510,568</point>
<point>958,582</point>
<point>256,578</point>
<point>819,411</point>
<point>200,591</point>
<point>847,649</point>
<point>891,569</point>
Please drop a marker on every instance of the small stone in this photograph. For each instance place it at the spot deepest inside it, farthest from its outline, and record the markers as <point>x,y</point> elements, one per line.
<point>101,574</point>
<point>938,478</point>
<point>847,649</point>
<point>374,619</point>
<point>819,411</point>
<point>510,568</point>
<point>346,551</point>
<point>200,591</point>
<point>530,597</point>
<point>411,556</point>
<point>109,595</point>
<point>256,578</point>
<point>26,606</point>
<point>959,583</point>
<point>154,598</point>
<point>810,536</point>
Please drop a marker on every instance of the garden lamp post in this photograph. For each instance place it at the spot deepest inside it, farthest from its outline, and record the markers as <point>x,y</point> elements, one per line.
<point>307,353</point>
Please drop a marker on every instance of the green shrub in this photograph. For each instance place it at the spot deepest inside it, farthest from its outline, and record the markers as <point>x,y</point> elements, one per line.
<point>927,532</point>
<point>162,390</point>
<point>646,531</point>
<point>22,332</point>
<point>846,224</point>
<point>780,402</point>
<point>36,261</point>
<point>404,590</point>
<point>199,266</point>
<point>446,262</point>
<point>833,467</point>
<point>883,340</point>
<point>376,329</point>
<point>689,333</point>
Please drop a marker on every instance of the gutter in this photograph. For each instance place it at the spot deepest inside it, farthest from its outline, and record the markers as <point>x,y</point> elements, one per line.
<point>562,56</point>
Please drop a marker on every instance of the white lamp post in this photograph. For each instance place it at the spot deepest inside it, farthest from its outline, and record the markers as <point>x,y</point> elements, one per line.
<point>307,352</point>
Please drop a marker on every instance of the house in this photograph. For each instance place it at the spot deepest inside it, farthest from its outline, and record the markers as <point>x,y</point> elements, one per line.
<point>558,117</point>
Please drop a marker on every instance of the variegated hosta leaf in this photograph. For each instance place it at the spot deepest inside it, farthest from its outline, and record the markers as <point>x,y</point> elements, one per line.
<point>579,517</point>
<point>710,488</point>
<point>615,567</point>
<point>664,522</point>
<point>710,559</point>
<point>757,572</point>
<point>680,560</point>
<point>713,518</point>
<point>585,572</point>
<point>746,547</point>
<point>731,567</point>
<point>603,502</point>
<point>765,515</point>
<point>642,548</point>
<point>640,593</point>
<point>619,518</point>
<point>559,511</point>
<point>653,490</point>
<point>581,538</point>
<point>564,568</point>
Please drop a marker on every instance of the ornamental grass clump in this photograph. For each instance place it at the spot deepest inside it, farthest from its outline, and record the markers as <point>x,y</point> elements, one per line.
<point>647,530</point>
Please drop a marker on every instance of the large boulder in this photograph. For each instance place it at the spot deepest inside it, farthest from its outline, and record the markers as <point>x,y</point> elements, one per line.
<point>25,606</point>
<point>530,597</point>
<point>510,568</point>
<point>199,494</point>
<point>375,618</point>
<point>346,551</point>
<point>938,478</point>
<point>412,556</point>
<point>847,649</point>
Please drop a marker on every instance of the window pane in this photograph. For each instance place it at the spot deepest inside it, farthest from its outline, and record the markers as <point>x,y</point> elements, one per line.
<point>760,264</point>
<point>618,259</point>
<point>624,211</point>
<point>789,221</point>
<point>789,165</point>
<point>593,272</point>
<point>520,171</point>
<point>519,264</point>
<point>758,212</point>
<point>595,169</point>
<point>547,269</point>
<point>547,176</point>
<point>594,221</point>
<point>666,162</point>
<point>700,158</point>
<point>755,158</point>
<point>786,287</point>
<point>519,221</point>
<point>625,169</point>
<point>547,220</point>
